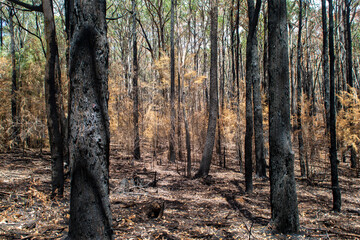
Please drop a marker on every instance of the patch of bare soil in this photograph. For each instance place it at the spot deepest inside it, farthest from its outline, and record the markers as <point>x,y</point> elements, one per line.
<point>212,208</point>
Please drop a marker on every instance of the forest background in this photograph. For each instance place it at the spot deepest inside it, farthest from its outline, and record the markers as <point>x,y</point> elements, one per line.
<point>192,64</point>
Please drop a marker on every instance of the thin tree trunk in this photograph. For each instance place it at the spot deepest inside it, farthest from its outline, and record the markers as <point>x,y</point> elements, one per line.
<point>135,95</point>
<point>349,66</point>
<point>1,31</point>
<point>213,111</point>
<point>232,47</point>
<point>188,144</point>
<point>265,57</point>
<point>54,101</point>
<point>283,197</point>
<point>333,151</point>
<point>89,137</point>
<point>172,154</point>
<point>258,114</point>
<point>14,86</point>
<point>299,95</point>
<point>325,54</point>
<point>249,113</point>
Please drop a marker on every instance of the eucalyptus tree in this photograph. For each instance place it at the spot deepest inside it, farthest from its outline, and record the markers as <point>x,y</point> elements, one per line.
<point>299,95</point>
<point>333,149</point>
<point>14,81</point>
<point>172,154</point>
<point>252,79</point>
<point>213,110</point>
<point>349,64</point>
<point>54,108</point>
<point>89,137</point>
<point>283,197</point>
<point>325,59</point>
<point>135,89</point>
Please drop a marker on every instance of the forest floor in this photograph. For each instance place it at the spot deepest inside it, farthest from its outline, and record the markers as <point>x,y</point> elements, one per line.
<point>212,208</point>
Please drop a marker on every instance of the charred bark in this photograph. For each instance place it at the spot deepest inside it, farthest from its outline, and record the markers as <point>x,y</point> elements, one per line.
<point>283,198</point>
<point>135,89</point>
<point>172,154</point>
<point>213,111</point>
<point>333,149</point>
<point>53,98</point>
<point>89,138</point>
<point>299,95</point>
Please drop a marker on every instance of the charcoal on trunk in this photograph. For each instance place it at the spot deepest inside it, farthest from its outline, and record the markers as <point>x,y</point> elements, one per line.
<point>283,198</point>
<point>89,140</point>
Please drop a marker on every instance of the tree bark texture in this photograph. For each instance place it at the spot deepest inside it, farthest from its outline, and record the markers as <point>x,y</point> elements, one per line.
<point>349,66</point>
<point>333,150</point>
<point>172,154</point>
<point>135,87</point>
<point>89,140</point>
<point>213,111</point>
<point>53,100</point>
<point>14,86</point>
<point>299,95</point>
<point>325,56</point>
<point>283,198</point>
<point>255,75</point>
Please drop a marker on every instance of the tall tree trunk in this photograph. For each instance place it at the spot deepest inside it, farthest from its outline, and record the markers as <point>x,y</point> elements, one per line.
<point>135,89</point>
<point>265,57</point>
<point>349,66</point>
<point>232,47</point>
<point>14,86</point>
<point>1,31</point>
<point>89,137</point>
<point>333,151</point>
<point>250,75</point>
<point>237,54</point>
<point>258,115</point>
<point>299,95</point>
<point>213,111</point>
<point>325,56</point>
<point>283,197</point>
<point>53,97</point>
<point>172,154</point>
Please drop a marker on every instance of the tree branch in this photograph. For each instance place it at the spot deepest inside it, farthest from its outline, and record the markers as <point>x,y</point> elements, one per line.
<point>37,8</point>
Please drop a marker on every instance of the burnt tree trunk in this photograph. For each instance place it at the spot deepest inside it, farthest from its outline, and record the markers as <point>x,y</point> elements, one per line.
<point>325,56</point>
<point>299,95</point>
<point>333,150</point>
<point>54,106</point>
<point>172,154</point>
<point>349,66</point>
<point>135,87</point>
<point>89,138</point>
<point>213,111</point>
<point>53,100</point>
<point>283,198</point>
<point>14,86</point>
<point>258,117</point>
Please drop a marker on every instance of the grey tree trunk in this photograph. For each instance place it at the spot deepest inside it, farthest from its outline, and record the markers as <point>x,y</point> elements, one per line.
<point>349,66</point>
<point>89,138</point>
<point>213,110</point>
<point>333,151</point>
<point>172,154</point>
<point>255,75</point>
<point>283,198</point>
<point>14,86</point>
<point>135,89</point>
<point>325,54</point>
<point>53,98</point>
<point>299,95</point>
